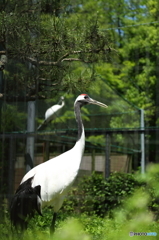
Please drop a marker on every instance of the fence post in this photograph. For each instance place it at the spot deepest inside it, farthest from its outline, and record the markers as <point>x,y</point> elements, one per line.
<point>30,129</point>
<point>11,166</point>
<point>142,126</point>
<point>107,156</point>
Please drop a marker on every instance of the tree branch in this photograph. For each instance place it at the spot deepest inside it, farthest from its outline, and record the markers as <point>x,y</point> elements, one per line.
<point>71,59</point>
<point>11,98</point>
<point>42,63</point>
<point>35,62</point>
<point>2,52</point>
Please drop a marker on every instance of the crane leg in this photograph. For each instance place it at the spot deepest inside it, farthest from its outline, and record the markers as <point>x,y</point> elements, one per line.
<point>52,227</point>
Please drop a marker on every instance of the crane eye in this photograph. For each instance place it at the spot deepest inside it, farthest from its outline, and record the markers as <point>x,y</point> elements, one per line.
<point>86,97</point>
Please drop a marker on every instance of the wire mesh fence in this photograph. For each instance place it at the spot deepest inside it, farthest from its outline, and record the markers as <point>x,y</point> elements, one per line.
<point>116,138</point>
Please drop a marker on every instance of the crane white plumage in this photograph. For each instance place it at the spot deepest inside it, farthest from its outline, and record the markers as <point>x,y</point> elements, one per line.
<point>48,183</point>
<point>51,113</point>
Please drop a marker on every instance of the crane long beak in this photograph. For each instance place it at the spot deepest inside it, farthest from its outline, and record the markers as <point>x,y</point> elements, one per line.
<point>92,101</point>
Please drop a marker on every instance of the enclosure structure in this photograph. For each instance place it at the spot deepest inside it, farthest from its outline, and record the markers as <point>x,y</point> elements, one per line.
<point>95,159</point>
<point>124,149</point>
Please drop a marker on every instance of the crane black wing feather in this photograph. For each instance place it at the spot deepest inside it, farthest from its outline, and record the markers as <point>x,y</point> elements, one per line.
<point>26,200</point>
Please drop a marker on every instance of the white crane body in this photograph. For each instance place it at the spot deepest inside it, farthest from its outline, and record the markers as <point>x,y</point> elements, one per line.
<point>57,175</point>
<point>48,183</point>
<point>51,112</point>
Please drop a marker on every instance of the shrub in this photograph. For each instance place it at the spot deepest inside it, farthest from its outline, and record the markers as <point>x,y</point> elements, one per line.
<point>96,195</point>
<point>132,215</point>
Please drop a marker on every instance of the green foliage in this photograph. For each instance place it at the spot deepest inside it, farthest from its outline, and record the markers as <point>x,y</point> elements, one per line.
<point>150,181</point>
<point>95,195</point>
<point>12,119</point>
<point>54,46</point>
<point>97,140</point>
<point>133,215</point>
<point>98,196</point>
<point>74,232</point>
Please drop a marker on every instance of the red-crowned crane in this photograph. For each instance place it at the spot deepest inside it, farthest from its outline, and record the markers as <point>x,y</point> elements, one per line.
<point>50,113</point>
<point>48,183</point>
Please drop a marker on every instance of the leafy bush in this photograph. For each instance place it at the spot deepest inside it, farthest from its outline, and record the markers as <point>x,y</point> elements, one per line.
<point>96,195</point>
<point>132,215</point>
<point>150,182</point>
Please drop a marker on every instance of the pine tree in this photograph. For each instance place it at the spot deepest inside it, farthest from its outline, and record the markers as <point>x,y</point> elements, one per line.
<point>45,42</point>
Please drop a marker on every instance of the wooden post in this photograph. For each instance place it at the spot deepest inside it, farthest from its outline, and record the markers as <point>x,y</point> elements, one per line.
<point>107,156</point>
<point>31,129</point>
<point>11,167</point>
<point>93,161</point>
<point>46,152</point>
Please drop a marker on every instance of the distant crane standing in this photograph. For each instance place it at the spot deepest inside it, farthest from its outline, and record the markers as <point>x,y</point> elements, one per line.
<point>50,113</point>
<point>48,183</point>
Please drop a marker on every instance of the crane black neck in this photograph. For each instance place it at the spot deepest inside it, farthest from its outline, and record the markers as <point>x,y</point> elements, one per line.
<point>77,110</point>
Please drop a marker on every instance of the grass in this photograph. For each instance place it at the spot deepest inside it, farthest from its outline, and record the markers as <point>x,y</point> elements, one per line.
<point>91,228</point>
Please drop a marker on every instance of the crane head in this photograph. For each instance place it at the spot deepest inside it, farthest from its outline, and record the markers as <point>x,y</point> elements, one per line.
<point>62,98</point>
<point>85,99</point>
